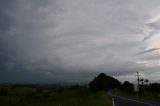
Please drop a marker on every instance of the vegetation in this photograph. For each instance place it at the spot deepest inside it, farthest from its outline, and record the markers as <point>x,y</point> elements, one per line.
<point>147,95</point>
<point>51,95</point>
<point>146,92</point>
<point>127,86</point>
<point>154,87</point>
<point>75,95</point>
<point>103,82</point>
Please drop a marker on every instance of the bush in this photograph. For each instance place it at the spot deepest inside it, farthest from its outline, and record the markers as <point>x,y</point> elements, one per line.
<point>3,92</point>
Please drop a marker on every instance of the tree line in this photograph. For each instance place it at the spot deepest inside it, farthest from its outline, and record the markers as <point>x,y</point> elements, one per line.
<point>105,82</point>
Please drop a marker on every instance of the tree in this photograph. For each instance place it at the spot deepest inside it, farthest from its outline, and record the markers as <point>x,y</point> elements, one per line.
<point>146,80</point>
<point>127,86</point>
<point>3,92</point>
<point>103,82</point>
<point>154,87</point>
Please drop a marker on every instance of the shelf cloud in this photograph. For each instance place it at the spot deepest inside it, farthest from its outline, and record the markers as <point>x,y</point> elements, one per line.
<point>74,40</point>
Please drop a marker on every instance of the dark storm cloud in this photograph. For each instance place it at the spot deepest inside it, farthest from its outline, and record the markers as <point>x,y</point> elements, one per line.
<point>56,41</point>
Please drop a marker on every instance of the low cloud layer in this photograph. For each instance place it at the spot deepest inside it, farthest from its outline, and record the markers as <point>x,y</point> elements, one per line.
<point>74,40</point>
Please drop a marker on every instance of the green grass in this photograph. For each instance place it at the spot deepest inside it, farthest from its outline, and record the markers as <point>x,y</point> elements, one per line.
<point>10,101</point>
<point>150,96</point>
<point>30,96</point>
<point>81,101</point>
<point>78,97</point>
<point>23,91</point>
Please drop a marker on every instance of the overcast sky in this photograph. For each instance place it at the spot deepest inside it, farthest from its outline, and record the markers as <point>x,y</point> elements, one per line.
<point>45,41</point>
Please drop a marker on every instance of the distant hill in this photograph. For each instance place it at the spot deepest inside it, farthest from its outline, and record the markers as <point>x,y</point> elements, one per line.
<point>103,82</point>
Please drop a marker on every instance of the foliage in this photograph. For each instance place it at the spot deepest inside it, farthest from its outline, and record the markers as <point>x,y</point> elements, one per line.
<point>147,95</point>
<point>127,86</point>
<point>154,87</point>
<point>41,96</point>
<point>146,92</point>
<point>76,97</point>
<point>103,82</point>
<point>3,92</point>
<point>23,91</point>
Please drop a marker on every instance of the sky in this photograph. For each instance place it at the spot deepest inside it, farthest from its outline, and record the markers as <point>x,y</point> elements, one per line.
<point>49,41</point>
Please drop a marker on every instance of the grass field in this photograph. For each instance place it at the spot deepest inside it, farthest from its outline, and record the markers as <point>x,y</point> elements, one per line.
<point>151,96</point>
<point>37,96</point>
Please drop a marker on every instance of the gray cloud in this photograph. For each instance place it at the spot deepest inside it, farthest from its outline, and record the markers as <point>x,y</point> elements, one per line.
<point>147,51</point>
<point>73,40</point>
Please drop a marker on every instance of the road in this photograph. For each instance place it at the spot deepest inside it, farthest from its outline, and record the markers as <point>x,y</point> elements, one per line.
<point>123,101</point>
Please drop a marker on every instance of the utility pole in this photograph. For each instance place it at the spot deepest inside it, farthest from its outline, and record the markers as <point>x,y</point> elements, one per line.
<point>138,82</point>
<point>138,78</point>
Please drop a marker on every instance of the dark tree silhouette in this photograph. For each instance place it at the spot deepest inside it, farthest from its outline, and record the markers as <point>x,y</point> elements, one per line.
<point>127,86</point>
<point>146,81</point>
<point>3,92</point>
<point>154,87</point>
<point>103,82</point>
